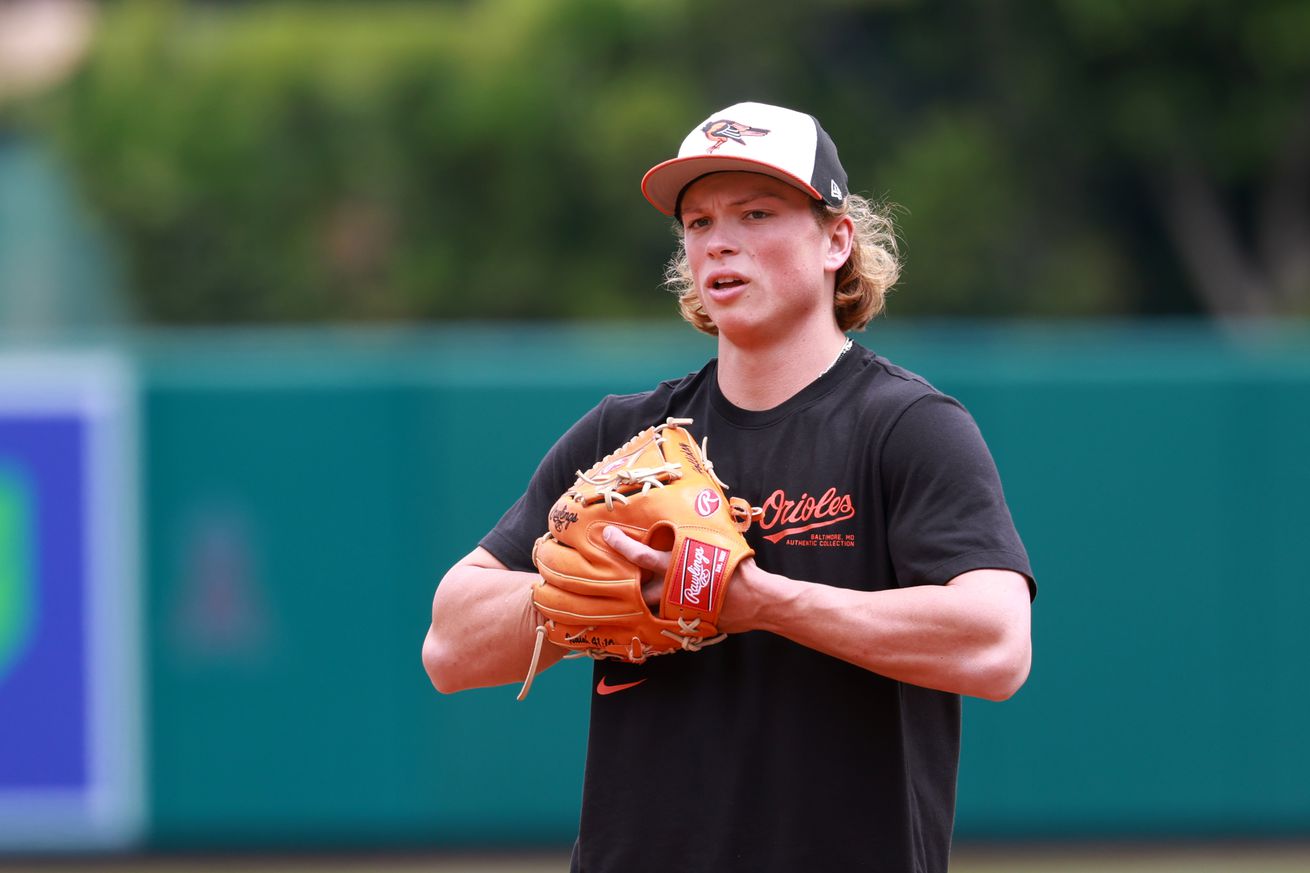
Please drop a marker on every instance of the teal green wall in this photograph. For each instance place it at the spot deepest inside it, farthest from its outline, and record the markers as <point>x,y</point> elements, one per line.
<point>304,493</point>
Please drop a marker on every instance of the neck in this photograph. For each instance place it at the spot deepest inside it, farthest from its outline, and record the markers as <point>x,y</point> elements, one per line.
<point>764,376</point>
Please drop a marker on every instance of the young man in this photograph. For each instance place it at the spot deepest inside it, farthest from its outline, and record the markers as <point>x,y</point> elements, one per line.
<point>823,733</point>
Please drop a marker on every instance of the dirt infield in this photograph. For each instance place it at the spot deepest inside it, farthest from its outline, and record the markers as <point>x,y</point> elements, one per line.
<point>1115,858</point>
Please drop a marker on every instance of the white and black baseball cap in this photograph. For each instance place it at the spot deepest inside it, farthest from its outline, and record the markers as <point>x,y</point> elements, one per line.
<point>754,138</point>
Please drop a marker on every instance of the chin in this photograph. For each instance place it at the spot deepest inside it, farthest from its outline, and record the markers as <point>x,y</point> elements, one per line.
<point>744,332</point>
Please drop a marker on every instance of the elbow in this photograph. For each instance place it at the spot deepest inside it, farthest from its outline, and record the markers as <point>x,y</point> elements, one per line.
<point>1003,670</point>
<point>440,665</point>
<point>1002,688</point>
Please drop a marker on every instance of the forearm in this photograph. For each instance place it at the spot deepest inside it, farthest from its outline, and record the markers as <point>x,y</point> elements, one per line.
<point>483,627</point>
<point>969,637</point>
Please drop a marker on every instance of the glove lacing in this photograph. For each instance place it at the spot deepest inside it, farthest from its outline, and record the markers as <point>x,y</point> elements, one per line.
<point>648,477</point>
<point>532,668</point>
<point>685,636</point>
<point>607,486</point>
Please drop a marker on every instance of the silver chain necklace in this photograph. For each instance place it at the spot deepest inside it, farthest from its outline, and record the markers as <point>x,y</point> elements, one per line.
<point>844,349</point>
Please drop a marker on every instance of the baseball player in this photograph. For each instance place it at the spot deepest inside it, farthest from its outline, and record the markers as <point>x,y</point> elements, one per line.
<point>887,579</point>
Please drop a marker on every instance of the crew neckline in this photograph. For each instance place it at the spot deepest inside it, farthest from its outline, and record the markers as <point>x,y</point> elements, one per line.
<point>855,359</point>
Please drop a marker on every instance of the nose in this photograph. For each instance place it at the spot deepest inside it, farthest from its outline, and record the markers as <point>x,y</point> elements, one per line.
<point>720,241</point>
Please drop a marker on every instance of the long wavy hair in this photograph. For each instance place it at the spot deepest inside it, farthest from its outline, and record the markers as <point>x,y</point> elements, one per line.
<point>862,283</point>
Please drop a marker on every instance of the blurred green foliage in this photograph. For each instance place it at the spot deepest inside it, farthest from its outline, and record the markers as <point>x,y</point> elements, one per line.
<point>292,161</point>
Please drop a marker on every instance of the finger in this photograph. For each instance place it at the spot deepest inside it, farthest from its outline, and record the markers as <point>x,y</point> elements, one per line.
<point>652,591</point>
<point>638,553</point>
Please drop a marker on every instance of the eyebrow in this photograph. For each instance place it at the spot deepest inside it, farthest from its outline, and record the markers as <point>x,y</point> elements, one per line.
<point>742,201</point>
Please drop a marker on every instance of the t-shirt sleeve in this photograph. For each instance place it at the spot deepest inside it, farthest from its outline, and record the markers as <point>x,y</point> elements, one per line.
<point>946,509</point>
<point>512,538</point>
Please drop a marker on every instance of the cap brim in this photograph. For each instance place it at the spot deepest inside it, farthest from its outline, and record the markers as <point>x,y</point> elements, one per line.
<point>664,182</point>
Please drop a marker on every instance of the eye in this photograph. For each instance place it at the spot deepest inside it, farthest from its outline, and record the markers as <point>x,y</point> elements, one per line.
<point>757,214</point>
<point>696,223</point>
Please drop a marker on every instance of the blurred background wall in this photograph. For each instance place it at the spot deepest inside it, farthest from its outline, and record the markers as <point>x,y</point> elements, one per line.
<point>281,275</point>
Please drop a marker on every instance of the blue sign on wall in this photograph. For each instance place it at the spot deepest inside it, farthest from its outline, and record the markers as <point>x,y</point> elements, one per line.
<point>17,589</point>
<point>69,702</point>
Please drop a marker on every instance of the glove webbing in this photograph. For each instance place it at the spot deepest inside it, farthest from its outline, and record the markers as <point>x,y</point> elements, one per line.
<point>647,476</point>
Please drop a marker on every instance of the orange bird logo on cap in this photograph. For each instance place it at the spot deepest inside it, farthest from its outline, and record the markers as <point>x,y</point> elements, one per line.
<point>722,130</point>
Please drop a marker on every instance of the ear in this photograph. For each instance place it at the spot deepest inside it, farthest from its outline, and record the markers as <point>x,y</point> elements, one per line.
<point>840,238</point>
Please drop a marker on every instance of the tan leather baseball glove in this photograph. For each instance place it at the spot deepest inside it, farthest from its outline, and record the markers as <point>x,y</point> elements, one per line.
<point>661,489</point>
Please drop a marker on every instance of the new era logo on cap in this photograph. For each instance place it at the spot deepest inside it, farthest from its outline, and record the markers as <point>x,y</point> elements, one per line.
<point>755,138</point>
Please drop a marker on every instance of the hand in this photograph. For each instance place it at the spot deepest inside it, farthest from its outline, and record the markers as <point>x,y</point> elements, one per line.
<point>737,608</point>
<point>653,561</point>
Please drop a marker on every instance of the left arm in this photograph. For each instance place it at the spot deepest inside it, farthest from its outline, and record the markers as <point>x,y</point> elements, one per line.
<point>970,636</point>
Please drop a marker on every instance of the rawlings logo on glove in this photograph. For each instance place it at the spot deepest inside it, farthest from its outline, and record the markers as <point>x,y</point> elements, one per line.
<point>660,488</point>
<point>699,570</point>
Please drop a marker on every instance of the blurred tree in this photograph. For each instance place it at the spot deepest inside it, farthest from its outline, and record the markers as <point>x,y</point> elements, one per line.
<point>291,161</point>
<point>1206,106</point>
<point>302,161</point>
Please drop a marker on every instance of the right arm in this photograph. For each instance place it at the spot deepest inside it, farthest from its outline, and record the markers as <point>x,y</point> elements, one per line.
<point>483,626</point>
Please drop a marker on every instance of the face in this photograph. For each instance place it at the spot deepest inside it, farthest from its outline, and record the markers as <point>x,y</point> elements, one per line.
<point>762,264</point>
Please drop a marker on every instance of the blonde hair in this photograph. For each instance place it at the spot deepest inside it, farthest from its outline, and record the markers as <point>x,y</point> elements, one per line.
<point>862,283</point>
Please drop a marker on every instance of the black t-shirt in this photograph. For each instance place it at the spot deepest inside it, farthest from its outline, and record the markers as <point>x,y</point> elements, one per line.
<point>758,754</point>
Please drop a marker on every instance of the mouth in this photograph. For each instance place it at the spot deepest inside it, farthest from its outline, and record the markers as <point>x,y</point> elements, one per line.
<point>724,284</point>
